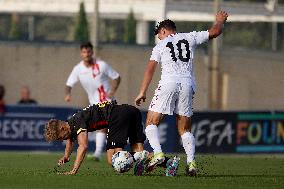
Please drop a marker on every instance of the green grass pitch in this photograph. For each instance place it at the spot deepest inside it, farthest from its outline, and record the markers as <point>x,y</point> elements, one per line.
<point>35,170</point>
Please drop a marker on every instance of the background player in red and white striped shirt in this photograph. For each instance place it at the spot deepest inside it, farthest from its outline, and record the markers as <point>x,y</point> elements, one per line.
<point>94,76</point>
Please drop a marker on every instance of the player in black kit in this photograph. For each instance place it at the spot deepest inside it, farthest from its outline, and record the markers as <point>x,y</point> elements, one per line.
<point>122,121</point>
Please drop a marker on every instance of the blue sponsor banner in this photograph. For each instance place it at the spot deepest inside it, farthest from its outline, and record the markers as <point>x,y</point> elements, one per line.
<point>21,128</point>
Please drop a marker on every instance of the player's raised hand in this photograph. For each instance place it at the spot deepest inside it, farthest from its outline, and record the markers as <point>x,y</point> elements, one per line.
<point>63,160</point>
<point>67,98</point>
<point>139,98</point>
<point>221,16</point>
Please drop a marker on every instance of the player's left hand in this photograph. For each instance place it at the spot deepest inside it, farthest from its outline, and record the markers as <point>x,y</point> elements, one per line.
<point>110,95</point>
<point>63,160</point>
<point>140,97</point>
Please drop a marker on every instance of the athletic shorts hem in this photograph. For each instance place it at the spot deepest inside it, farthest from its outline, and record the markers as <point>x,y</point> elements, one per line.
<point>116,145</point>
<point>185,115</point>
<point>160,112</point>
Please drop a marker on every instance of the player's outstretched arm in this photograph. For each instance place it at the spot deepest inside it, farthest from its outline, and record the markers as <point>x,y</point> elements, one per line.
<point>67,97</point>
<point>148,75</point>
<point>217,28</point>
<point>114,85</point>
<point>81,152</point>
<point>67,152</point>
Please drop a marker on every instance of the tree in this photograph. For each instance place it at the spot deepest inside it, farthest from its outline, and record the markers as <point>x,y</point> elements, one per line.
<point>81,29</point>
<point>130,29</point>
<point>14,32</point>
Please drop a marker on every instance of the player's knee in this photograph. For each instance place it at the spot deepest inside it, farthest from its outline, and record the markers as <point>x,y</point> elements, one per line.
<point>182,130</point>
<point>153,118</point>
<point>152,122</point>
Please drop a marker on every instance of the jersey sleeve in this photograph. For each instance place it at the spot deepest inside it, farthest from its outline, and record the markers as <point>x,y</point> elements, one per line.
<point>199,37</point>
<point>77,124</point>
<point>156,56</point>
<point>110,72</point>
<point>73,78</point>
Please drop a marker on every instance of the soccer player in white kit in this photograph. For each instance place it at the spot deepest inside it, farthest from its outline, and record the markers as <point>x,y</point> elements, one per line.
<point>94,76</point>
<point>175,53</point>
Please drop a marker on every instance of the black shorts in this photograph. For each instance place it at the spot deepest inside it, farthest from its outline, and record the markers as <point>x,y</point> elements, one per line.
<point>125,123</point>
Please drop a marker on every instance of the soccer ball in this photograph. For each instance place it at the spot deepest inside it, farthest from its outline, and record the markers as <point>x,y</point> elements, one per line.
<point>122,161</point>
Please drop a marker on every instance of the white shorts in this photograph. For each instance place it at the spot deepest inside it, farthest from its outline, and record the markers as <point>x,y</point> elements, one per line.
<point>172,98</point>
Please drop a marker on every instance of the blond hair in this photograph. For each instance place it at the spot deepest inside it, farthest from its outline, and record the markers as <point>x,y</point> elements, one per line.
<point>51,130</point>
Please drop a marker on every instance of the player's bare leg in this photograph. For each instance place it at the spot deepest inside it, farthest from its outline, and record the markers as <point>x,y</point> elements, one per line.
<point>188,142</point>
<point>110,153</point>
<point>99,145</point>
<point>137,147</point>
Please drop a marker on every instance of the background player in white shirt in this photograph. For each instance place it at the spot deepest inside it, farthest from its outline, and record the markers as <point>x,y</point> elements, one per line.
<point>94,76</point>
<point>175,53</point>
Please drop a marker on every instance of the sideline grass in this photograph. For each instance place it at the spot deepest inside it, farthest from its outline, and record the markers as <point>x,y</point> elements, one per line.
<point>36,171</point>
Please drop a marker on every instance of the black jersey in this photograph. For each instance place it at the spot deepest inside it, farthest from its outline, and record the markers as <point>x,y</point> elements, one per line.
<point>91,118</point>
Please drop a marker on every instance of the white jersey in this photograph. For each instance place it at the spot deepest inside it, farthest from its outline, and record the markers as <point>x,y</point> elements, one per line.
<point>175,53</point>
<point>94,79</point>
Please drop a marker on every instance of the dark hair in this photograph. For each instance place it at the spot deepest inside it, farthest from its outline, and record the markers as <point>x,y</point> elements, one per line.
<point>86,45</point>
<point>167,24</point>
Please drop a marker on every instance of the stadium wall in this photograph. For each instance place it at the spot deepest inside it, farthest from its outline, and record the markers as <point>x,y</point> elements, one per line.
<point>254,82</point>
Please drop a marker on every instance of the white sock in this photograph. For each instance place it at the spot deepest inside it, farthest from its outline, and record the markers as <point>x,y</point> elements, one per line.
<point>153,137</point>
<point>188,143</point>
<point>100,143</point>
<point>137,156</point>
